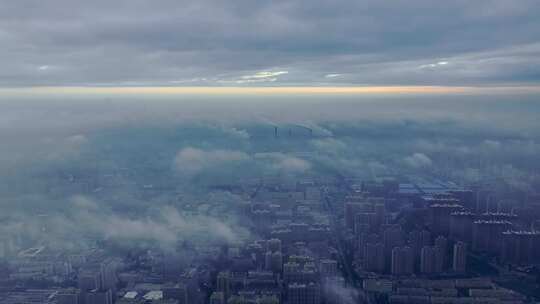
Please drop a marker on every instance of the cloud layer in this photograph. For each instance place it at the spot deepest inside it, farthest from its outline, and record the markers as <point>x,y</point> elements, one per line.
<point>205,42</point>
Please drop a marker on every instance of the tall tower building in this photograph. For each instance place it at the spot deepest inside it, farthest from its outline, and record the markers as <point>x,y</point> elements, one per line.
<point>69,296</point>
<point>402,261</point>
<point>304,293</point>
<point>430,260</point>
<point>99,297</point>
<point>277,262</point>
<point>268,260</point>
<point>328,268</point>
<point>460,257</point>
<point>224,284</point>
<point>461,225</point>
<point>350,211</point>
<point>177,292</point>
<point>440,216</point>
<point>441,244</point>
<point>393,237</point>
<point>487,235</point>
<point>417,240</point>
<point>274,245</point>
<point>380,214</point>
<point>217,297</point>
<point>520,247</point>
<point>108,276</point>
<point>374,257</point>
<point>88,280</point>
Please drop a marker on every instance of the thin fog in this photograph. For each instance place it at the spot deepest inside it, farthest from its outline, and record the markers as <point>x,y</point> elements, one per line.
<point>75,171</point>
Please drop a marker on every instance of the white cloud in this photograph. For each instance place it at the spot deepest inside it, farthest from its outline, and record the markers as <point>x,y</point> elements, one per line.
<point>264,75</point>
<point>77,139</point>
<point>293,164</point>
<point>239,133</point>
<point>251,80</point>
<point>418,160</point>
<point>329,145</point>
<point>492,144</point>
<point>434,65</point>
<point>284,162</point>
<point>192,160</point>
<point>332,75</point>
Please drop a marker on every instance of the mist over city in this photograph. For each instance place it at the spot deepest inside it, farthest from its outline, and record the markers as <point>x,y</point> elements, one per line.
<point>205,152</point>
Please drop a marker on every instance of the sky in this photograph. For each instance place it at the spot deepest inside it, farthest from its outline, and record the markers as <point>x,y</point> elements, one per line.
<point>246,44</point>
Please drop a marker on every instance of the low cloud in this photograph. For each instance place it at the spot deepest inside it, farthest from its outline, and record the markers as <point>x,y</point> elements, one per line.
<point>418,160</point>
<point>85,219</point>
<point>329,145</point>
<point>193,160</point>
<point>292,164</point>
<point>492,144</point>
<point>283,163</point>
<point>345,295</point>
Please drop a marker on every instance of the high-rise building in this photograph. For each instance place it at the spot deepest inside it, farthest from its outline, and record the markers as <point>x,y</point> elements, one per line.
<point>364,239</point>
<point>99,297</point>
<point>217,297</point>
<point>393,237</point>
<point>277,262</point>
<point>267,299</point>
<point>290,271</point>
<point>430,260</point>
<point>304,293</point>
<point>520,247</point>
<point>328,268</point>
<point>333,288</point>
<point>69,296</point>
<point>487,235</point>
<point>402,261</point>
<point>441,243</point>
<point>460,257</point>
<point>374,257</point>
<point>224,284</point>
<point>274,245</point>
<point>176,292</point>
<point>108,276</point>
<point>88,280</point>
<point>268,260</point>
<point>237,299</point>
<point>417,240</point>
<point>364,222</point>
<point>350,211</point>
<point>461,225</point>
<point>440,216</point>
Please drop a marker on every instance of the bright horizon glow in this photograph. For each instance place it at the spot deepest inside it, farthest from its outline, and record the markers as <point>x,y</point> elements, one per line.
<point>304,90</point>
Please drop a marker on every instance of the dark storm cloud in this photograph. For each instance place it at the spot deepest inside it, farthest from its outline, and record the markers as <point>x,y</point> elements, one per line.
<point>206,42</point>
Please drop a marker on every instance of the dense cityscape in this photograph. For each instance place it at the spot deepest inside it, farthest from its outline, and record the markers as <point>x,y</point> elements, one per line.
<point>298,233</point>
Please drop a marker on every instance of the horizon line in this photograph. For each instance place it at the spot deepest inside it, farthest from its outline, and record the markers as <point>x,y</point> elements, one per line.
<point>269,90</point>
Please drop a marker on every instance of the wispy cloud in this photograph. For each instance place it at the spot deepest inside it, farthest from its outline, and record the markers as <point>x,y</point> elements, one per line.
<point>434,65</point>
<point>264,75</point>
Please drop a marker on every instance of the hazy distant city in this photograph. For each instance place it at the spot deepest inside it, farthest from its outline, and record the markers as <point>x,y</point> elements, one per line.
<point>375,204</point>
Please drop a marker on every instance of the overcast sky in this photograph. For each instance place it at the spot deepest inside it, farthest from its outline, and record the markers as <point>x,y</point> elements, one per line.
<point>269,43</point>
